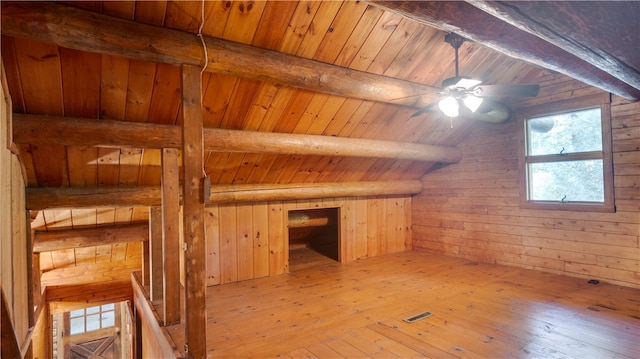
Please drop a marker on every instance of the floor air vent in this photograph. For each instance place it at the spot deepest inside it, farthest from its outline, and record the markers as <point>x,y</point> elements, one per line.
<point>417,317</point>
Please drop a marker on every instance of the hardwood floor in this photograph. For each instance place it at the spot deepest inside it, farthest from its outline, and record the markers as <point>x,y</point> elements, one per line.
<point>305,258</point>
<point>356,310</point>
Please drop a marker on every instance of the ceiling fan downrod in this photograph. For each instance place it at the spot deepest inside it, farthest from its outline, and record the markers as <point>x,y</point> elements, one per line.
<point>455,41</point>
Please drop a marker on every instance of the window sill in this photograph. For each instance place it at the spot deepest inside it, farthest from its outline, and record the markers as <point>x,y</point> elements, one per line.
<point>570,206</point>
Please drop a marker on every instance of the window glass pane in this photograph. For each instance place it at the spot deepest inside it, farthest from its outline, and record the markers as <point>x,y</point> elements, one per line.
<point>76,326</point>
<point>108,307</point>
<point>108,319</point>
<point>579,131</point>
<point>93,310</point>
<point>76,313</point>
<point>93,322</point>
<point>580,181</point>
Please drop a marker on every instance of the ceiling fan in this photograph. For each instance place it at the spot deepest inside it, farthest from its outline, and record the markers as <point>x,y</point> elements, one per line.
<point>463,94</point>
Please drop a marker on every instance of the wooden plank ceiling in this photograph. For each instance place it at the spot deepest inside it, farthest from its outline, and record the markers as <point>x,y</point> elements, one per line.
<point>45,79</point>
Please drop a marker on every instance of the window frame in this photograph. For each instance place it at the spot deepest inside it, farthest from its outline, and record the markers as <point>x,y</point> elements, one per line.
<point>603,101</point>
<point>101,311</point>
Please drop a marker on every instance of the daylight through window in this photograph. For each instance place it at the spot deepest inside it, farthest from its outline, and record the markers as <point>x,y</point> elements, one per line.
<point>93,318</point>
<point>565,160</point>
<point>571,169</point>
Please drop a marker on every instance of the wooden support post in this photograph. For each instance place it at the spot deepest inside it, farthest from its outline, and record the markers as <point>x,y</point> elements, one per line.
<point>193,213</point>
<point>171,235</point>
<point>146,263</point>
<point>155,253</point>
<point>33,284</point>
<point>38,300</point>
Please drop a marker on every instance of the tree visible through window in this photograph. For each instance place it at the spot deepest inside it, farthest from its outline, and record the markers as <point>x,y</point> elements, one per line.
<point>565,173</point>
<point>565,160</point>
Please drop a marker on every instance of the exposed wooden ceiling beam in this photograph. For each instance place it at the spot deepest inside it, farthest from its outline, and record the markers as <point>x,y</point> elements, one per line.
<point>70,238</point>
<point>34,129</point>
<point>39,198</point>
<point>87,31</point>
<point>273,192</point>
<point>90,273</point>
<point>63,298</point>
<point>483,28</point>
<point>141,196</point>
<point>602,33</point>
<point>73,131</point>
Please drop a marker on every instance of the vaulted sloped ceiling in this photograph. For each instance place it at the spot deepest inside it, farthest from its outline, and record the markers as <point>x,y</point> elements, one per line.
<point>593,41</point>
<point>395,40</point>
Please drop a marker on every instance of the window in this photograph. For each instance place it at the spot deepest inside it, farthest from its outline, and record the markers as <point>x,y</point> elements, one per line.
<point>93,318</point>
<point>566,157</point>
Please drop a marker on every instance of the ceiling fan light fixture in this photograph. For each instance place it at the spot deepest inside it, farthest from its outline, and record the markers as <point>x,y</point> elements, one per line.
<point>472,102</point>
<point>449,106</point>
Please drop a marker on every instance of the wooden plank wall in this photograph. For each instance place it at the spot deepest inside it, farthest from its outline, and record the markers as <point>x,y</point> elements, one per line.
<point>471,209</point>
<point>150,336</point>
<point>246,241</point>
<point>41,337</point>
<point>13,227</point>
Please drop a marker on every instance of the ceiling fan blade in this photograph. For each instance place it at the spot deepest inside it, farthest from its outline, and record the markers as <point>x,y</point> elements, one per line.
<point>424,109</point>
<point>530,90</point>
<point>489,111</point>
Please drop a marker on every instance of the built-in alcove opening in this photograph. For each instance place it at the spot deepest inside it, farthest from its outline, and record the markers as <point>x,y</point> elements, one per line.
<point>314,237</point>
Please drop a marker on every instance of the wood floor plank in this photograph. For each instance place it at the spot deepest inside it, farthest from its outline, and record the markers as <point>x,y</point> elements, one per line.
<point>302,353</point>
<point>321,350</point>
<point>576,320</point>
<point>335,310</point>
<point>371,346</point>
<point>577,348</point>
<point>343,348</point>
<point>410,341</point>
<point>520,328</point>
<point>539,350</point>
<point>457,336</point>
<point>387,345</point>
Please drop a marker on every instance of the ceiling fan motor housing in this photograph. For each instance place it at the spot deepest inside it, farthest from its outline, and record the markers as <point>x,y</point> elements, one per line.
<point>459,83</point>
<point>454,40</point>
